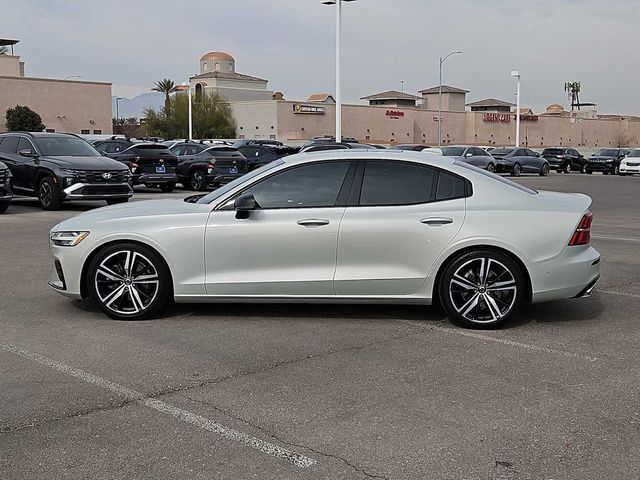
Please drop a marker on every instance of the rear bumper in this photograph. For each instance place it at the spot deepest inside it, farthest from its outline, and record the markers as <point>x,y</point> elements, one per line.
<point>573,274</point>
<point>155,178</point>
<point>97,191</point>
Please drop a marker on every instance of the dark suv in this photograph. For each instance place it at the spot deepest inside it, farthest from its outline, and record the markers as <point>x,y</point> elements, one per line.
<point>151,164</point>
<point>5,187</point>
<point>56,167</point>
<point>564,160</point>
<point>204,165</point>
<point>606,160</point>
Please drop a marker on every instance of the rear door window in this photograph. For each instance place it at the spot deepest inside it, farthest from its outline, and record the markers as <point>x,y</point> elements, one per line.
<point>10,145</point>
<point>396,183</point>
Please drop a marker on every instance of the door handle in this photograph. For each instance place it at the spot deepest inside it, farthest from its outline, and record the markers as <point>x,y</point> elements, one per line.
<point>435,221</point>
<point>313,222</point>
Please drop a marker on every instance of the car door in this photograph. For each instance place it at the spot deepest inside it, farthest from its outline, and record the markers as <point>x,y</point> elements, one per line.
<point>9,155</point>
<point>480,158</point>
<point>26,165</point>
<point>401,215</point>
<point>288,244</point>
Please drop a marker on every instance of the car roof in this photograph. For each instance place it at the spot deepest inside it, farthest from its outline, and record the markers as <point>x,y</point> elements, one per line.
<point>42,134</point>
<point>368,154</point>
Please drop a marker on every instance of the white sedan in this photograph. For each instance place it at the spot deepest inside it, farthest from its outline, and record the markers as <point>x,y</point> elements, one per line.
<point>342,227</point>
<point>631,163</point>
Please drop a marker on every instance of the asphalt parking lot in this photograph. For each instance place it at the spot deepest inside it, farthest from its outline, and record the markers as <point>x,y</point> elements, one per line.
<point>321,392</point>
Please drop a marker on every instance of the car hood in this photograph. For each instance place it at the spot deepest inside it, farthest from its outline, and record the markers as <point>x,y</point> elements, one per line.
<point>148,208</point>
<point>571,201</point>
<point>87,163</point>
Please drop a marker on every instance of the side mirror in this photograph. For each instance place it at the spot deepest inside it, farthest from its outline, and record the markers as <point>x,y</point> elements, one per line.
<point>244,204</point>
<point>27,152</point>
<point>468,154</point>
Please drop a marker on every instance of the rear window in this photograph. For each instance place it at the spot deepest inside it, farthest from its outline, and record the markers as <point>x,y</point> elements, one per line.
<point>152,150</point>
<point>453,151</point>
<point>552,151</point>
<point>501,151</point>
<point>634,153</point>
<point>495,177</point>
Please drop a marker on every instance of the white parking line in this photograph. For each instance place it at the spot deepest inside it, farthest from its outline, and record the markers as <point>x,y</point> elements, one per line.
<point>623,294</point>
<point>510,343</point>
<point>294,458</point>
<point>620,239</point>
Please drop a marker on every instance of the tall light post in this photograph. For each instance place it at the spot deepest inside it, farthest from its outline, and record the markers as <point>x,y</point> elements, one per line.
<point>402,86</point>
<point>516,74</point>
<point>185,84</point>
<point>118,113</point>
<point>440,96</point>
<point>338,4</point>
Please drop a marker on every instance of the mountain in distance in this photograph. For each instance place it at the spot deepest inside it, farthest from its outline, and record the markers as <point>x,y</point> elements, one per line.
<point>135,107</point>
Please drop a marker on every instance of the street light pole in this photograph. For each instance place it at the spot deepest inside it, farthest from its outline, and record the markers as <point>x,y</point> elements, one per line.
<point>118,113</point>
<point>440,96</point>
<point>185,84</point>
<point>338,4</point>
<point>516,74</point>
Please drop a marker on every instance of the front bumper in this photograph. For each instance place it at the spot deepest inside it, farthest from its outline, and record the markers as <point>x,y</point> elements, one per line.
<point>573,274</point>
<point>155,178</point>
<point>600,166</point>
<point>67,269</point>
<point>97,191</point>
<point>627,168</point>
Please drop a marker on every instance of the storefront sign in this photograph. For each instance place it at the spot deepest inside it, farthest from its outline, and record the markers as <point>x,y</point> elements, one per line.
<point>496,117</point>
<point>312,109</point>
<point>528,118</point>
<point>395,114</point>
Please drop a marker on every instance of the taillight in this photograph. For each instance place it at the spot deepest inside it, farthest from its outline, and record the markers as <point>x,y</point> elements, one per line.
<point>582,235</point>
<point>211,167</point>
<point>133,167</point>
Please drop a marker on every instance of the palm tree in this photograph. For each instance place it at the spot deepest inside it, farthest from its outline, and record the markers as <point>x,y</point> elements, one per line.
<point>167,87</point>
<point>4,50</point>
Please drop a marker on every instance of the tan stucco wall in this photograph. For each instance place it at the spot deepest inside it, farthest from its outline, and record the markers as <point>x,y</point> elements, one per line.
<point>64,105</point>
<point>9,66</point>
<point>418,125</point>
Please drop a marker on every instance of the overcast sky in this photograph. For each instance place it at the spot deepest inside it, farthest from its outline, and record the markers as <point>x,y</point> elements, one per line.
<point>291,43</point>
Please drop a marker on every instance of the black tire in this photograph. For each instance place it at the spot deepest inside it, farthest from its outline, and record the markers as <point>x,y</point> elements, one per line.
<point>4,206</point>
<point>616,170</point>
<point>544,171</point>
<point>49,195</point>
<point>167,187</point>
<point>567,167</point>
<point>197,180</point>
<point>472,302</point>
<point>491,168</point>
<point>116,201</point>
<point>583,169</point>
<point>135,300</point>
<point>517,170</point>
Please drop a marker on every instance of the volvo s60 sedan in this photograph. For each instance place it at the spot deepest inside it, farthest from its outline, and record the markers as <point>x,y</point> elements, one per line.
<point>337,226</point>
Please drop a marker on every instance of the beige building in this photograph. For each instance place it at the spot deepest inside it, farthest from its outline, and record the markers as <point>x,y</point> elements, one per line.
<point>64,105</point>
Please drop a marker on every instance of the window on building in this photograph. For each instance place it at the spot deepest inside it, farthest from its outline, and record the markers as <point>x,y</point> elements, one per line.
<point>272,137</point>
<point>217,67</point>
<point>97,132</point>
<point>50,130</point>
<point>85,132</point>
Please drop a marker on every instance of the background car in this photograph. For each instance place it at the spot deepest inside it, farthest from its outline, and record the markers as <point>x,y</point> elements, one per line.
<point>323,146</point>
<point>260,154</point>
<point>606,160</point>
<point>472,155</point>
<point>631,163</point>
<point>416,147</point>
<point>516,161</point>
<point>211,166</point>
<point>5,187</point>
<point>151,164</point>
<point>292,231</point>
<point>58,167</point>
<point>327,139</point>
<point>565,160</point>
<point>246,141</point>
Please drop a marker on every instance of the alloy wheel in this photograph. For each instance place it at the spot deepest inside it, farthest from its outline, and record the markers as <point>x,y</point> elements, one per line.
<point>483,290</point>
<point>567,167</point>
<point>126,282</point>
<point>491,168</point>
<point>45,194</point>
<point>517,170</point>
<point>197,180</point>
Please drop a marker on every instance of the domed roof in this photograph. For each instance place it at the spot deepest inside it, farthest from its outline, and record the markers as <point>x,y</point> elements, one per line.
<point>555,108</point>
<point>217,56</point>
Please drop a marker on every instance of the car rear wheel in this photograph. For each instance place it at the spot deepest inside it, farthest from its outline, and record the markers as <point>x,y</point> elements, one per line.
<point>544,171</point>
<point>491,168</point>
<point>567,167</point>
<point>583,169</point>
<point>167,187</point>
<point>616,170</point>
<point>4,206</point>
<point>48,194</point>
<point>197,180</point>
<point>481,289</point>
<point>129,281</point>
<point>517,170</point>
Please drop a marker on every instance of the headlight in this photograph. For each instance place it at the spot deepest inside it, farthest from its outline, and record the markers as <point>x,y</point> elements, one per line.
<point>68,239</point>
<point>8,178</point>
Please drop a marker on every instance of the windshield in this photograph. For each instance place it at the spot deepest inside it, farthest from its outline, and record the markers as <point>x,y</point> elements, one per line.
<point>495,177</point>
<point>238,181</point>
<point>501,151</point>
<point>634,153</point>
<point>606,152</point>
<point>453,151</point>
<point>65,146</point>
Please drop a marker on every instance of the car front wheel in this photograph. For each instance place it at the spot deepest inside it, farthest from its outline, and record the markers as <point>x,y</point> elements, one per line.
<point>4,206</point>
<point>197,180</point>
<point>491,168</point>
<point>544,171</point>
<point>616,170</point>
<point>129,281</point>
<point>48,194</point>
<point>481,289</point>
<point>567,167</point>
<point>517,170</point>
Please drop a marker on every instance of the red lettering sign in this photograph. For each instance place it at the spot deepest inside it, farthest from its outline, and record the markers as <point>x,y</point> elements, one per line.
<point>496,117</point>
<point>394,113</point>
